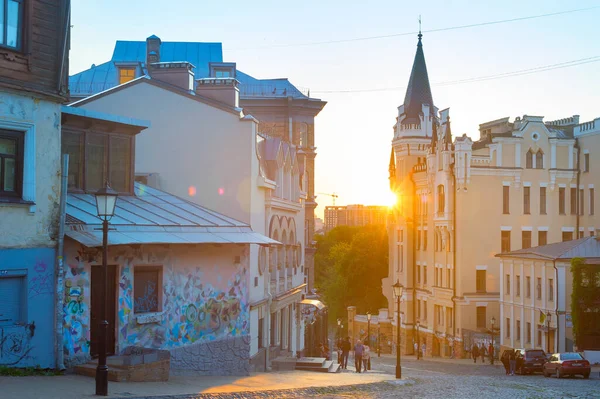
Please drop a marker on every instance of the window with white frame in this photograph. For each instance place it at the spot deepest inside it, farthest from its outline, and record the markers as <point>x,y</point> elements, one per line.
<point>11,23</point>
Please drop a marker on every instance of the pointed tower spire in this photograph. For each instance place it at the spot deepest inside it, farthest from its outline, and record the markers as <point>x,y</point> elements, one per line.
<point>434,138</point>
<point>448,135</point>
<point>418,91</point>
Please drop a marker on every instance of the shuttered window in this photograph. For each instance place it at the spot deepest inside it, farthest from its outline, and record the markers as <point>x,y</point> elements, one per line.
<point>573,201</point>
<point>542,200</point>
<point>481,278</point>
<point>12,304</point>
<point>481,316</point>
<point>526,200</point>
<point>542,237</point>
<point>505,199</point>
<point>561,200</point>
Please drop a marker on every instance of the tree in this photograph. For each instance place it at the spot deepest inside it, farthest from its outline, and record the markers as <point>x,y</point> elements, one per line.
<point>585,304</point>
<point>350,263</point>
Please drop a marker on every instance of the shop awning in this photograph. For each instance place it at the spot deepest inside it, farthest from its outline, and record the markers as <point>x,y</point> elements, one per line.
<point>313,302</point>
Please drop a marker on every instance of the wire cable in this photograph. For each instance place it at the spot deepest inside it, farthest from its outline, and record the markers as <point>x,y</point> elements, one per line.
<point>520,72</point>
<point>356,39</point>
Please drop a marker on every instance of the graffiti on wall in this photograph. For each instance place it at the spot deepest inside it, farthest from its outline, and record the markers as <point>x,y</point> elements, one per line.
<point>76,331</point>
<point>41,281</point>
<point>15,343</point>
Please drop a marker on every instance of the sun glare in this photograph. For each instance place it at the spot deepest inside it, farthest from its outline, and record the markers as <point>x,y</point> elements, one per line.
<point>390,199</point>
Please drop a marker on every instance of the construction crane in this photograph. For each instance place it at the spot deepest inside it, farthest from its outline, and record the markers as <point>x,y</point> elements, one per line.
<point>333,196</point>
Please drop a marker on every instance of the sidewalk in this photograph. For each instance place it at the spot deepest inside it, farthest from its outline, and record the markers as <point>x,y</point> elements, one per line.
<point>444,360</point>
<point>75,386</point>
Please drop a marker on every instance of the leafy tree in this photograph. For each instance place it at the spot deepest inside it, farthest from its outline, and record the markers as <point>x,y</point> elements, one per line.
<point>350,263</point>
<point>585,301</point>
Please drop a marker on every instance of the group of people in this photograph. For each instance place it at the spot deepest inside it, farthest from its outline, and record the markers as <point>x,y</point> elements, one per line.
<point>482,351</point>
<point>510,362</point>
<point>362,355</point>
<point>423,349</point>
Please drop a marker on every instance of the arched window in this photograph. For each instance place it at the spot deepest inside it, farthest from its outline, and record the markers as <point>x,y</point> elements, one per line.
<point>441,199</point>
<point>539,160</point>
<point>529,159</point>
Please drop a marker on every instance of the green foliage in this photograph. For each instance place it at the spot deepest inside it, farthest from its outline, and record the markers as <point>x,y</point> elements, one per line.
<point>349,265</point>
<point>27,371</point>
<point>584,298</point>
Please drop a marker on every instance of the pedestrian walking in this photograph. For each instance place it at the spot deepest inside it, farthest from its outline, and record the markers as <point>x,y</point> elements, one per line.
<point>366,358</point>
<point>346,346</point>
<point>416,348</point>
<point>475,353</point>
<point>504,360</point>
<point>512,360</point>
<point>423,350</point>
<point>358,352</point>
<point>491,352</point>
<point>482,353</point>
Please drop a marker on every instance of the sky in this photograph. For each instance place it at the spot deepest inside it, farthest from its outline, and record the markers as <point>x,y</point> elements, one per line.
<point>353,133</point>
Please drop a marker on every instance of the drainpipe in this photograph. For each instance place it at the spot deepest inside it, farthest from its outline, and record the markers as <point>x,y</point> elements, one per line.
<point>556,302</point>
<point>578,191</point>
<point>454,262</point>
<point>59,266</point>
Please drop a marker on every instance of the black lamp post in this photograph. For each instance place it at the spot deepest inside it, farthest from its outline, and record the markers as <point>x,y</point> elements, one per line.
<point>369,329</point>
<point>418,343</point>
<point>106,199</point>
<point>548,318</point>
<point>398,292</point>
<point>493,321</point>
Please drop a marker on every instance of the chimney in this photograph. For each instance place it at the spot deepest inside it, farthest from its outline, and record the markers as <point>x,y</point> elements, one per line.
<point>178,74</point>
<point>224,90</point>
<point>152,50</point>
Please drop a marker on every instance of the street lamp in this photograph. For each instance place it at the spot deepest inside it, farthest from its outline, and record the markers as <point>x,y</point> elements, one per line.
<point>339,323</point>
<point>398,292</point>
<point>418,343</point>
<point>493,321</point>
<point>106,199</point>
<point>369,329</point>
<point>548,318</point>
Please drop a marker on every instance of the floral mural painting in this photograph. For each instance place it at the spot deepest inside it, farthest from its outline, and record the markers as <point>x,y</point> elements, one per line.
<point>76,329</point>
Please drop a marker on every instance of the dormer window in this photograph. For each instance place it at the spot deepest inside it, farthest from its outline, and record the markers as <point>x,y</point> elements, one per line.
<point>11,23</point>
<point>222,69</point>
<point>126,74</point>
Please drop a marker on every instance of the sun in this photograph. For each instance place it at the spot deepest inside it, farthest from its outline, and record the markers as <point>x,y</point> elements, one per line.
<point>390,199</point>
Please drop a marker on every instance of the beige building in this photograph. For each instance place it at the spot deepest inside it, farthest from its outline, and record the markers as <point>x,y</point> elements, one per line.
<point>523,183</point>
<point>354,215</point>
<point>535,300</point>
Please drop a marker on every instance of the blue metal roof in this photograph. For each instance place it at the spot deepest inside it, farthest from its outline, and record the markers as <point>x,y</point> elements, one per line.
<point>105,76</point>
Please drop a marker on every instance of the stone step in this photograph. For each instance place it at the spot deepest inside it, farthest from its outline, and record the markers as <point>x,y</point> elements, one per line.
<point>311,362</point>
<point>325,366</point>
<point>335,368</point>
<point>114,374</point>
<point>282,363</point>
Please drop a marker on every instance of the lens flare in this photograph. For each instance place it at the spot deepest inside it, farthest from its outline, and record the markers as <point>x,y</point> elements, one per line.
<point>221,191</point>
<point>391,199</point>
<point>191,191</point>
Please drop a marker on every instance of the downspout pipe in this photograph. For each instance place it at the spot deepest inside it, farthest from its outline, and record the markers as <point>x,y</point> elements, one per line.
<point>556,302</point>
<point>454,261</point>
<point>579,211</point>
<point>59,267</point>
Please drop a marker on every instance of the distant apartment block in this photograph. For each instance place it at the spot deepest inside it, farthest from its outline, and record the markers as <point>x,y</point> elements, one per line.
<point>354,215</point>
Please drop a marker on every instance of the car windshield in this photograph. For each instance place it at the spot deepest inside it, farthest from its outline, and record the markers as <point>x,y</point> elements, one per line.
<point>571,356</point>
<point>535,354</point>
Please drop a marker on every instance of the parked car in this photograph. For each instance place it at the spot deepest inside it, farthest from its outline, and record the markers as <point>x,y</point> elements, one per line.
<point>530,361</point>
<point>569,363</point>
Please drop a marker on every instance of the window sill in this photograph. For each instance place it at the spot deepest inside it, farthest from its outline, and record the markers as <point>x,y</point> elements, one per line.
<point>15,201</point>
<point>148,318</point>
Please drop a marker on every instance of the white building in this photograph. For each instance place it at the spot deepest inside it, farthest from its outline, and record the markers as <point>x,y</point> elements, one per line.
<point>202,147</point>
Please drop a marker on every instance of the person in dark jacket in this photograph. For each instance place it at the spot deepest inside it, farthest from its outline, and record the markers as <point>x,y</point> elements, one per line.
<point>512,360</point>
<point>475,353</point>
<point>346,346</point>
<point>504,360</point>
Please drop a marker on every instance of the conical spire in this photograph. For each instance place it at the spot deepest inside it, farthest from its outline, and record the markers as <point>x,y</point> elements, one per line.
<point>392,170</point>
<point>434,138</point>
<point>448,135</point>
<point>418,91</point>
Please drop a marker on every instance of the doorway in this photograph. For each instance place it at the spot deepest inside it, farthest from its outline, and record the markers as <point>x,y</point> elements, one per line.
<point>98,300</point>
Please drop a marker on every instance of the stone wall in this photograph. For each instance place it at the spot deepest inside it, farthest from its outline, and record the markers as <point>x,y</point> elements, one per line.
<point>230,356</point>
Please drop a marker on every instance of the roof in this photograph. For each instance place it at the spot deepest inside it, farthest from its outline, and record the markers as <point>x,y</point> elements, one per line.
<point>65,109</point>
<point>418,91</point>
<point>152,216</point>
<point>587,247</point>
<point>104,76</point>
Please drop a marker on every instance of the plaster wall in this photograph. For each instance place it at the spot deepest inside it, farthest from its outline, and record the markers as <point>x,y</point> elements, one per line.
<point>203,317</point>
<point>27,225</point>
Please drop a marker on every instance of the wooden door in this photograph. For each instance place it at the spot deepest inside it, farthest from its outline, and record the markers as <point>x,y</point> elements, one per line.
<point>97,300</point>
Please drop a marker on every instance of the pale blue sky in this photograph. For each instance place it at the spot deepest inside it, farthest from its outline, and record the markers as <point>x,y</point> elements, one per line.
<point>354,131</point>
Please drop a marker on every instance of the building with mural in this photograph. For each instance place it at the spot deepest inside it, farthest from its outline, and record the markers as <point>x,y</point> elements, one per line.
<point>33,84</point>
<point>179,274</point>
<point>283,110</point>
<point>201,145</point>
<point>524,183</point>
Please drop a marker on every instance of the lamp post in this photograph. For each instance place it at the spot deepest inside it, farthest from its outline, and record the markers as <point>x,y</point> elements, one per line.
<point>493,321</point>
<point>339,338</point>
<point>339,323</point>
<point>106,199</point>
<point>548,318</point>
<point>418,343</point>
<point>369,329</point>
<point>398,292</point>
